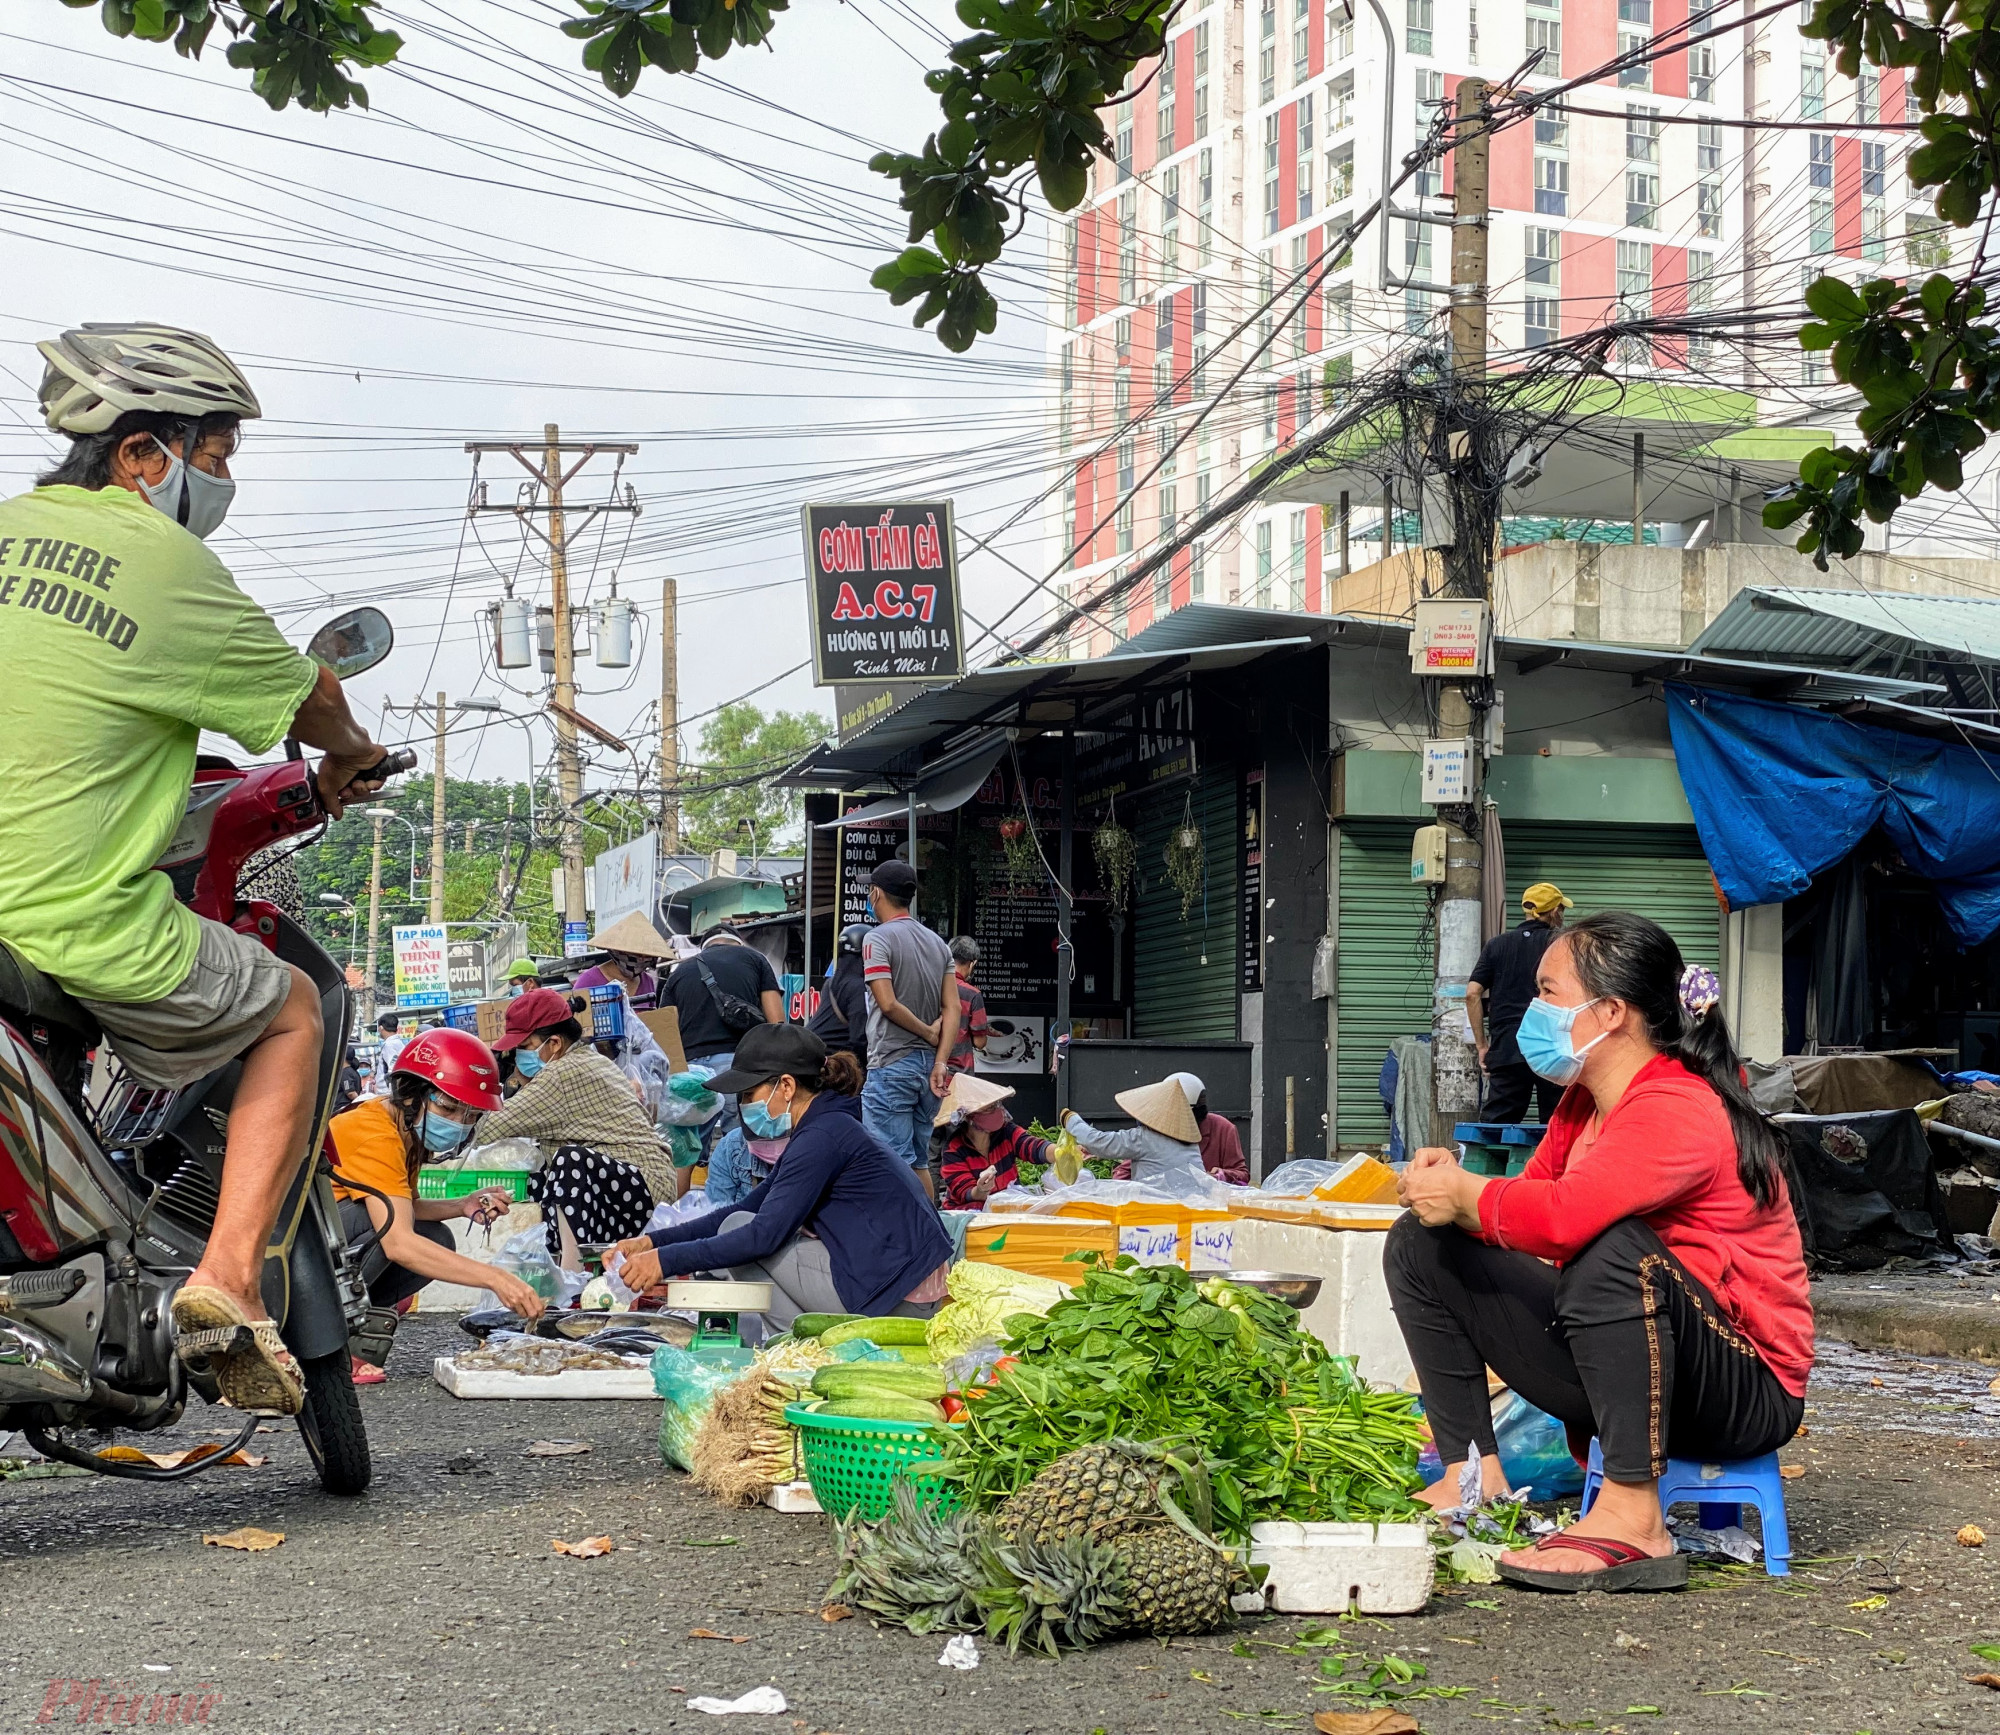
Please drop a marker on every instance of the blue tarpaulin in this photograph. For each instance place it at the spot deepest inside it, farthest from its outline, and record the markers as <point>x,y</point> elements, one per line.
<point>1781,793</point>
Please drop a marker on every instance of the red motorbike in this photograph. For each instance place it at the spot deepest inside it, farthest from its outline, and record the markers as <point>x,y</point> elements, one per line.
<point>108,1188</point>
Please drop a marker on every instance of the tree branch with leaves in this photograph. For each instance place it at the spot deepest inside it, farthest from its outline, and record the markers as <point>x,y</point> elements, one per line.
<point>1021,101</point>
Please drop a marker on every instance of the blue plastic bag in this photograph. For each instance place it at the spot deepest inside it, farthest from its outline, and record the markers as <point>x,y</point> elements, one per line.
<point>1534,1451</point>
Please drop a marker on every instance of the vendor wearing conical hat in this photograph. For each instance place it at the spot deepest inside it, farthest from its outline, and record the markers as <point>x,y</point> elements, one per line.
<point>1165,1144</point>
<point>985,1147</point>
<point>632,946</point>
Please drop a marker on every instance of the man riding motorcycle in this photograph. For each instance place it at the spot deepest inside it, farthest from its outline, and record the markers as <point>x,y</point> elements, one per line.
<point>121,637</point>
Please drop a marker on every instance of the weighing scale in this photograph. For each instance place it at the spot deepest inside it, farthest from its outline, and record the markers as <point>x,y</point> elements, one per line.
<point>717,1307</point>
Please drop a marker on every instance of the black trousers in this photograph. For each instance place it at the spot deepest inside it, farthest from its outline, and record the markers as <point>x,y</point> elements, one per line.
<point>388,1283</point>
<point>1509,1089</point>
<point>1623,1342</point>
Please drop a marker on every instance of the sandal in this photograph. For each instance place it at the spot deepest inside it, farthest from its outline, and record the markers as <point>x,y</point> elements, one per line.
<point>247,1356</point>
<point>1624,1568</point>
<point>366,1373</point>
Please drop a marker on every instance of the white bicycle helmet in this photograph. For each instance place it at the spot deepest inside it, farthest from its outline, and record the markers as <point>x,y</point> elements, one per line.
<point>97,372</point>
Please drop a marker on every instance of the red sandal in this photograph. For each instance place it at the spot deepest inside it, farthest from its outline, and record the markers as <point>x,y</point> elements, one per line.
<point>1624,1568</point>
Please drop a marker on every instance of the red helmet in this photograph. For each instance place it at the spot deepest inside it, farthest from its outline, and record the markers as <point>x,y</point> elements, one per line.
<point>457,1062</point>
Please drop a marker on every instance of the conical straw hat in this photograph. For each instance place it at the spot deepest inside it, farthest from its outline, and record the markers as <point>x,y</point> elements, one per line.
<point>632,933</point>
<point>1162,1108</point>
<point>970,1094</point>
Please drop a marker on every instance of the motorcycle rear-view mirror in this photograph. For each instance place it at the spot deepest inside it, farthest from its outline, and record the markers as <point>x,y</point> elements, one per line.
<point>353,643</point>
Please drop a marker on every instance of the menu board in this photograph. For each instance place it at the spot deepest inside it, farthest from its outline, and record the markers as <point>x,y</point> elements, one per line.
<point>1250,876</point>
<point>864,848</point>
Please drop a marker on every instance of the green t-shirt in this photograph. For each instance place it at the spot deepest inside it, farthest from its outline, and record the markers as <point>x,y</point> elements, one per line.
<point>121,638</point>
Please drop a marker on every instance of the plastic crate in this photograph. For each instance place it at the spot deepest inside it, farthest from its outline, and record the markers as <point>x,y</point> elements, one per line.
<point>437,1183</point>
<point>853,1464</point>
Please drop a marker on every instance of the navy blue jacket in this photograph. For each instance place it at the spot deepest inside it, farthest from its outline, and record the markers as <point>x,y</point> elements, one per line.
<point>882,1236</point>
<point>842,1018</point>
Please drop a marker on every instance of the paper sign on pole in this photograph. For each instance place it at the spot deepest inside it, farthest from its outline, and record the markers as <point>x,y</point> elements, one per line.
<point>423,969</point>
<point>626,879</point>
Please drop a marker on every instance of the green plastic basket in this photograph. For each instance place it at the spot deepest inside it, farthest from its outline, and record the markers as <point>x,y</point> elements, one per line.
<point>440,1183</point>
<point>853,1464</point>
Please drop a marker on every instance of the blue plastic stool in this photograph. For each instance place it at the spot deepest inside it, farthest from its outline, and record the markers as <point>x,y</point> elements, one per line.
<point>1720,1490</point>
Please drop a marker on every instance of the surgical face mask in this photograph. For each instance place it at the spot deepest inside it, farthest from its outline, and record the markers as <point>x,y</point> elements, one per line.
<point>767,1150</point>
<point>443,1134</point>
<point>527,1062</point>
<point>988,1120</point>
<point>760,1123</point>
<point>190,497</point>
<point>1546,1042</point>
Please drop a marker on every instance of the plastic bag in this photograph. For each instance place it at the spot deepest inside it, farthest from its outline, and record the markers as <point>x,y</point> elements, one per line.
<point>690,1205</point>
<point>521,1155</point>
<point>688,1384</point>
<point>1300,1176</point>
<point>688,1101</point>
<point>860,1349</point>
<point>1534,1451</point>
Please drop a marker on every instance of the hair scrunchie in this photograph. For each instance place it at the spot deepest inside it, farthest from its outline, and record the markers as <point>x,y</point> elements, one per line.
<point>1701,989</point>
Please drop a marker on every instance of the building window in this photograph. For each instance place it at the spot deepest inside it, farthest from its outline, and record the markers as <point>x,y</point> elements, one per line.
<point>1874,170</point>
<point>1163,324</point>
<point>1708,190</point>
<point>1072,277</point>
<point>1638,75</point>
<point>1926,243</point>
<point>1417,37</point>
<point>1642,149</point>
<point>1635,298</point>
<point>1125,527</point>
<point>1701,72</point>
<point>1163,378</point>
<point>1552,186</point>
<point>1336,225</point>
<point>1819,224</point>
<point>1128,464</point>
<point>1169,511</point>
<point>1122,143</point>
<point>1812,87</point>
<point>1642,199</point>
<point>1340,310</point>
<point>1272,220</point>
<point>1204,209</point>
<point>1198,310</point>
<point>1336,376</point>
<point>1267,55</point>
<point>1707,149</point>
<point>1305,166</point>
<point>1128,246</point>
<point>1874,230</point>
<point>1552,128</point>
<point>1417,260</point>
<point>1340,172</point>
<point>1270,415</point>
<point>1868,95</point>
<point>1700,299</point>
<point>1708,210</point>
<point>1170,221</point>
<point>1121,395</point>
<point>1813,369</point>
<point>1163,137</point>
<point>1340,103</point>
<point>1547,35</point>
<point>1295,568</point>
<point>1340,28</point>
<point>1642,135</point>
<point>1201,81</point>
<point>1429,180</point>
<point>1819,168</point>
<point>1543,273</point>
<point>1301,41</point>
<point>1264,563</point>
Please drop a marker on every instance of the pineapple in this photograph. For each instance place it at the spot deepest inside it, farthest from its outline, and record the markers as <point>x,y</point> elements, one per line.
<point>915,1568</point>
<point>1052,1596</point>
<point>1098,1490</point>
<point>1174,1582</point>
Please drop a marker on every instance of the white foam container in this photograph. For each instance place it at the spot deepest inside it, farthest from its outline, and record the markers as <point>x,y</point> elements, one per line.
<point>577,1384</point>
<point>792,1497</point>
<point>1323,1569</point>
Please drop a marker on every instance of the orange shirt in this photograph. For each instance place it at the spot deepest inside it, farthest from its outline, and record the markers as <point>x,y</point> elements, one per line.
<point>368,1145</point>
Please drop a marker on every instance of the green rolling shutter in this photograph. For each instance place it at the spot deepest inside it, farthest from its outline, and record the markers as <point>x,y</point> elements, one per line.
<point>1652,870</point>
<point>1385,966</point>
<point>1178,997</point>
<point>1386,958</point>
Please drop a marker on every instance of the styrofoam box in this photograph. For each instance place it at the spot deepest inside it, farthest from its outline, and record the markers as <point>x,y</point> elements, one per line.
<point>1323,1569</point>
<point>792,1497</point>
<point>1352,1315</point>
<point>580,1384</point>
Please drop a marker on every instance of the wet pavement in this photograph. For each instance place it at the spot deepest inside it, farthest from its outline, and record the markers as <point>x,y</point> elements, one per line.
<point>436,1603</point>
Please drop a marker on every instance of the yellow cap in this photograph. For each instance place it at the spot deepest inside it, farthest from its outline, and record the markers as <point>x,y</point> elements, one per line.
<point>1542,899</point>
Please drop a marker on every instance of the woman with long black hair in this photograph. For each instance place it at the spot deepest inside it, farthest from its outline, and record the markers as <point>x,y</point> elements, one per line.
<point>1642,1279</point>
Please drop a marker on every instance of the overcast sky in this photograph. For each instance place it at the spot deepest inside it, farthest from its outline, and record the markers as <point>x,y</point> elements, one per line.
<point>499,243</point>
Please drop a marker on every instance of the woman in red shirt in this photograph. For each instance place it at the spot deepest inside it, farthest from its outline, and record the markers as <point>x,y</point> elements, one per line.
<point>1642,1279</point>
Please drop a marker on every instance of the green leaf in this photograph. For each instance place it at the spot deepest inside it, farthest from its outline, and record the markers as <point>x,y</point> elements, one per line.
<point>1064,183</point>
<point>1834,302</point>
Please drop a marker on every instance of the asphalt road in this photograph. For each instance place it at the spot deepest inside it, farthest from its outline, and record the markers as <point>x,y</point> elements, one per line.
<point>435,1602</point>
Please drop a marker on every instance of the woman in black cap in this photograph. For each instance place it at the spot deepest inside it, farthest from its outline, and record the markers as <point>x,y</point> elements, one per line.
<point>841,1226</point>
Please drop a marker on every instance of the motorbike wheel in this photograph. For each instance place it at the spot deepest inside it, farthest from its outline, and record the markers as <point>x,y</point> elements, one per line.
<point>331,1426</point>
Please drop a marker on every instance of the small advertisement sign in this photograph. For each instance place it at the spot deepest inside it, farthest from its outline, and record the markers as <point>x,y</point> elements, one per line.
<point>423,967</point>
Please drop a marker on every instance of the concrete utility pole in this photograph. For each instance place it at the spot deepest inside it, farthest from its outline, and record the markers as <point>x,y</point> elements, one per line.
<point>374,923</point>
<point>549,472</point>
<point>670,721</point>
<point>437,817</point>
<point>1469,574</point>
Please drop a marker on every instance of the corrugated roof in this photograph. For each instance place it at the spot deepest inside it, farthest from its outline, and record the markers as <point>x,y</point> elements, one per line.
<point>1852,628</point>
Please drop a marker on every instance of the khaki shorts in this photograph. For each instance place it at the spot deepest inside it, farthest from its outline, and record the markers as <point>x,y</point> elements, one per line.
<point>226,1002</point>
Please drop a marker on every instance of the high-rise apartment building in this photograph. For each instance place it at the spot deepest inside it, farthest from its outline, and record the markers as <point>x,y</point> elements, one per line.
<point>1243,153</point>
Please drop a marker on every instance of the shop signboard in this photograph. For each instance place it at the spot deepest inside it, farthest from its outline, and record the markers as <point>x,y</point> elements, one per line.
<point>1149,746</point>
<point>859,707</point>
<point>465,966</point>
<point>883,589</point>
<point>1250,876</point>
<point>423,968</point>
<point>627,878</point>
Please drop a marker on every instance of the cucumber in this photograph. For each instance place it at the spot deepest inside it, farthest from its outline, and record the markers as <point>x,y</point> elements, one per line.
<point>859,1379</point>
<point>812,1324</point>
<point>883,1409</point>
<point>917,1354</point>
<point>886,1332</point>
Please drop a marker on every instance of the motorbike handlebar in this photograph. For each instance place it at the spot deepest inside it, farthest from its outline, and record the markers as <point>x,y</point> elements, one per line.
<point>392,765</point>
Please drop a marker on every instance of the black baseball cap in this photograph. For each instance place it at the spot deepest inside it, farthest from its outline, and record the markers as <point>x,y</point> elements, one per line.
<point>897,878</point>
<point>768,1051</point>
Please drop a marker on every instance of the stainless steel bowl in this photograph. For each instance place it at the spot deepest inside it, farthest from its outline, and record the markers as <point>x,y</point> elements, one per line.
<point>1292,1287</point>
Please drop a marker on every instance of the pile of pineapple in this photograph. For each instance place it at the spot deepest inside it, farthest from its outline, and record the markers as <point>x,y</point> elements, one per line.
<point>1109,1540</point>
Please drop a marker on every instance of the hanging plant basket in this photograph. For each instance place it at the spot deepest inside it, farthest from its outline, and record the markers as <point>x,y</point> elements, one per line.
<point>1117,861</point>
<point>1021,859</point>
<point>1186,861</point>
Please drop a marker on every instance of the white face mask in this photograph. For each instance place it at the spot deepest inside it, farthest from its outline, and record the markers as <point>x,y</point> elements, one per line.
<point>190,497</point>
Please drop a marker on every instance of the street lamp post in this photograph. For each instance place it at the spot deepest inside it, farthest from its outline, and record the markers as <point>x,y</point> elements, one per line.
<point>353,920</point>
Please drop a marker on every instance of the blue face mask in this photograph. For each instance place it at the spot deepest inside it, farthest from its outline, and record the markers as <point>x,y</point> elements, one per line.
<point>760,1123</point>
<point>1546,1043</point>
<point>441,1135</point>
<point>527,1062</point>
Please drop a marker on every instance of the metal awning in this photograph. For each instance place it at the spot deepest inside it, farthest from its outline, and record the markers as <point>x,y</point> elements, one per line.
<point>1850,628</point>
<point>1030,696</point>
<point>940,790</point>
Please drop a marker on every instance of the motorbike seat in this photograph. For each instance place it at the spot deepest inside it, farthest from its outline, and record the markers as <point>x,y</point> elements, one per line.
<point>25,990</point>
